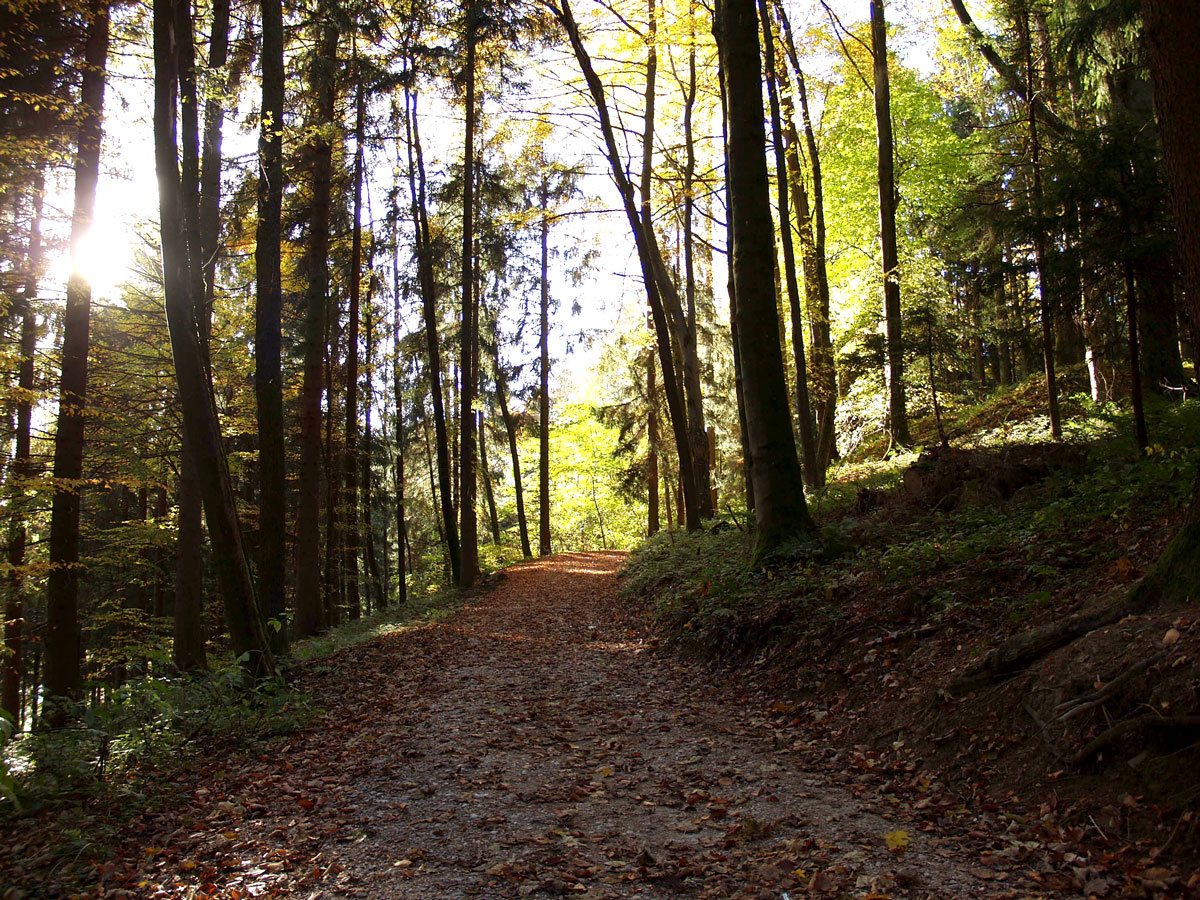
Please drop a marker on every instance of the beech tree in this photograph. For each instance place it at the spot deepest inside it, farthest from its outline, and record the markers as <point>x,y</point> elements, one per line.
<point>780,510</point>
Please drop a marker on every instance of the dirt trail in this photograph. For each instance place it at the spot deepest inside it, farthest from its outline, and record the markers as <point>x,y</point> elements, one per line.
<point>533,744</point>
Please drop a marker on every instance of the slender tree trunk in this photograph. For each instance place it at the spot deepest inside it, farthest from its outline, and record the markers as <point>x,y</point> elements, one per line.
<point>544,390</point>
<point>1135,368</point>
<point>781,513</point>
<point>353,529</point>
<point>368,455</point>
<point>1172,33</point>
<point>893,368</point>
<point>268,333</point>
<point>818,313</point>
<point>653,270</point>
<point>21,468</point>
<point>644,196</point>
<point>652,514</point>
<point>697,431</point>
<point>63,676</point>
<point>398,395</point>
<point>489,495</point>
<point>468,517</point>
<point>309,615</point>
<point>416,176</point>
<point>188,650</point>
<point>1041,252</point>
<point>333,499</point>
<point>808,438</point>
<point>510,427</point>
<point>731,290</point>
<point>243,615</point>
<point>434,488</point>
<point>667,290</point>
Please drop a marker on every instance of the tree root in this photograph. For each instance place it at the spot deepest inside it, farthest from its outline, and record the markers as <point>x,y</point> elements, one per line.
<point>1019,651</point>
<point>1071,708</point>
<point>1150,720</point>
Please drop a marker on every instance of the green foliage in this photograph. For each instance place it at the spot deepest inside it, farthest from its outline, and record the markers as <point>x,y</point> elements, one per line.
<point>590,509</point>
<point>146,722</point>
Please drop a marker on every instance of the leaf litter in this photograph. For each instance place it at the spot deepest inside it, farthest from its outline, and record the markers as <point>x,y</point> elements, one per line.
<point>537,744</point>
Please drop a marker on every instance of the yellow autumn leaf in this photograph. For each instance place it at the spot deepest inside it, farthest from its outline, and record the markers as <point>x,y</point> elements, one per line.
<point>897,840</point>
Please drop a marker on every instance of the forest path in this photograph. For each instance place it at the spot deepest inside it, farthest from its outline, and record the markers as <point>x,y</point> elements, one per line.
<point>534,744</point>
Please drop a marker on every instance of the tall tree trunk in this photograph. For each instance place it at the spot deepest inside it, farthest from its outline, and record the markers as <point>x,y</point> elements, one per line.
<point>653,270</point>
<point>781,513</point>
<point>468,517</point>
<point>893,368</point>
<point>308,614</point>
<point>667,289</point>
<point>187,649</point>
<point>353,529</point>
<point>510,428</point>
<point>544,389</point>
<point>398,395</point>
<point>333,499</point>
<point>243,616</point>
<point>808,438</point>
<point>731,290</point>
<point>416,181</point>
<point>1172,33</point>
<point>368,455</point>
<point>21,468</point>
<point>63,676</point>
<point>1040,249</point>
<point>268,333</point>
<point>489,495</point>
<point>697,431</point>
<point>818,303</point>
<point>652,515</point>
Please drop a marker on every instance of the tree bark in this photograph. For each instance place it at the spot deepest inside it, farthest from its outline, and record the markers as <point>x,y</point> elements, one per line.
<point>268,333</point>
<point>808,439</point>
<point>308,613</point>
<point>469,520</point>
<point>398,395</point>
<point>1041,251</point>
<point>893,369</point>
<point>731,290</point>
<point>510,428</point>
<point>243,615</point>
<point>416,180</point>
<point>653,270</point>
<point>1172,33</point>
<point>63,678</point>
<point>781,513</point>
<point>652,514</point>
<point>697,430</point>
<point>544,390</point>
<point>353,529</point>
<point>825,371</point>
<point>21,468</point>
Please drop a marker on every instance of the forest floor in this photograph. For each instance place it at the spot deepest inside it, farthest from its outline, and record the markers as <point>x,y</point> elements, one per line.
<point>536,743</point>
